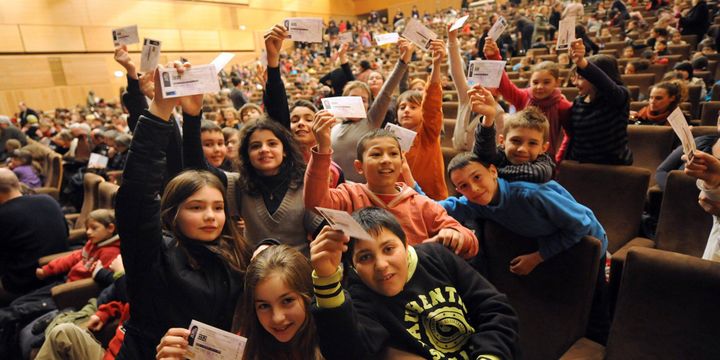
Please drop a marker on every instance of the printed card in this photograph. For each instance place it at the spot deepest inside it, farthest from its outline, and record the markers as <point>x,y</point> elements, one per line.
<point>682,130</point>
<point>566,33</point>
<point>210,343</point>
<point>340,220</point>
<point>150,55</point>
<point>498,28</point>
<point>198,79</point>
<point>459,23</point>
<point>305,29</point>
<point>418,34</point>
<point>97,161</point>
<point>389,38</point>
<point>487,73</point>
<point>346,37</point>
<point>405,136</point>
<point>126,35</point>
<point>349,107</point>
<point>222,60</point>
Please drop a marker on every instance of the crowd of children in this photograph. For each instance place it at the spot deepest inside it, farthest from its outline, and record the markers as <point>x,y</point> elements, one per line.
<point>216,217</point>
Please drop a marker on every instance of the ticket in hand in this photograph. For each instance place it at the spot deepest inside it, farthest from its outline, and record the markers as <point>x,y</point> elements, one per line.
<point>222,60</point>
<point>126,35</point>
<point>389,38</point>
<point>150,55</point>
<point>263,58</point>
<point>340,220</point>
<point>210,343</point>
<point>459,23</point>
<point>682,130</point>
<point>97,161</point>
<point>405,136</point>
<point>418,34</point>
<point>349,107</point>
<point>498,28</point>
<point>305,29</point>
<point>566,33</point>
<point>487,73</point>
<point>198,79</point>
<point>346,37</point>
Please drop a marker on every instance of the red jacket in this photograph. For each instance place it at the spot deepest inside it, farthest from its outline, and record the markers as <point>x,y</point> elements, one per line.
<point>78,264</point>
<point>114,309</point>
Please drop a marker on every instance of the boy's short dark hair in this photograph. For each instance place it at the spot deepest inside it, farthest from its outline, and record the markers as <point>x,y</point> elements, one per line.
<point>373,220</point>
<point>528,118</point>
<point>464,159</point>
<point>374,134</point>
<point>208,126</point>
<point>236,81</point>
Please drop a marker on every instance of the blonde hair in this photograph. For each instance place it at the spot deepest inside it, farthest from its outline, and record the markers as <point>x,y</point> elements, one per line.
<point>105,217</point>
<point>411,96</point>
<point>528,118</point>
<point>352,85</point>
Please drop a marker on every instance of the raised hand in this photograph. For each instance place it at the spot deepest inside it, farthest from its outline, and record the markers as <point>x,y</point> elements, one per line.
<point>577,53</point>
<point>147,84</point>
<point>406,50</point>
<point>326,251</point>
<point>706,167</point>
<point>438,51</point>
<point>491,49</point>
<point>342,53</point>
<point>123,58</point>
<point>452,35</point>
<point>321,127</point>
<point>483,103</point>
<point>273,44</point>
<point>451,238</point>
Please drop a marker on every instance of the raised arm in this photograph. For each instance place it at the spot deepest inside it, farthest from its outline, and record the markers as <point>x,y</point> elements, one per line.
<point>615,94</point>
<point>457,68</point>
<point>133,98</point>
<point>275,98</point>
<point>193,156</point>
<point>376,113</point>
<point>484,103</point>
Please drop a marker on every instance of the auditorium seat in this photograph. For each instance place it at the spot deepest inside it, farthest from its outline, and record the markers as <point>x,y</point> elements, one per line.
<point>642,81</point>
<point>553,301</point>
<point>450,109</point>
<point>709,113</point>
<point>448,154</point>
<point>91,183</point>
<point>667,309</point>
<point>650,145</point>
<point>106,195</point>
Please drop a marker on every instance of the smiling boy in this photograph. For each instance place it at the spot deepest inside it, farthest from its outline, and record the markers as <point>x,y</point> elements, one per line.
<point>419,300</point>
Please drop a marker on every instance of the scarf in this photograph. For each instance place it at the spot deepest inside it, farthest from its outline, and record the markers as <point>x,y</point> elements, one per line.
<point>549,107</point>
<point>645,115</point>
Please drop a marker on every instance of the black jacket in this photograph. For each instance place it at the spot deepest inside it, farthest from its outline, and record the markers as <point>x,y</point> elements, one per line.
<point>164,289</point>
<point>697,21</point>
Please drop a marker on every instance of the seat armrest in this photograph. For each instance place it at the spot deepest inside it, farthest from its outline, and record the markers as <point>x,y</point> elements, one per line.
<point>48,258</point>
<point>77,236</point>
<point>621,254</point>
<point>74,294</point>
<point>584,349</point>
<point>51,191</point>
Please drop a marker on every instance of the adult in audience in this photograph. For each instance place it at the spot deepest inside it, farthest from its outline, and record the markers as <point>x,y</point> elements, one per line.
<point>32,226</point>
<point>236,95</point>
<point>25,112</point>
<point>697,20</point>
<point>706,168</point>
<point>9,131</point>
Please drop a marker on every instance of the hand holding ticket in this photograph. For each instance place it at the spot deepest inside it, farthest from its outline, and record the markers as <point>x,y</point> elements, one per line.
<point>304,29</point>
<point>566,33</point>
<point>405,137</point>
<point>340,220</point>
<point>682,130</point>
<point>210,343</point>
<point>487,73</point>
<point>126,35</point>
<point>196,80</point>
<point>418,34</point>
<point>498,28</point>
<point>459,23</point>
<point>389,38</point>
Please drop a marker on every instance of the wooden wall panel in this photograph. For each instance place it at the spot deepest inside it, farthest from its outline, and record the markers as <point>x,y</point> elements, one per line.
<point>147,13</point>
<point>11,40</point>
<point>24,72</point>
<point>44,12</point>
<point>86,69</point>
<point>203,16</point>
<point>41,38</point>
<point>237,40</point>
<point>171,40</point>
<point>99,38</point>
<point>200,39</point>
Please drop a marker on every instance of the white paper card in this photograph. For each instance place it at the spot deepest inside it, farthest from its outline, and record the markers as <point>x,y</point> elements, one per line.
<point>222,60</point>
<point>388,38</point>
<point>126,35</point>
<point>459,23</point>
<point>346,37</point>
<point>418,34</point>
<point>210,343</point>
<point>405,136</point>
<point>263,58</point>
<point>340,220</point>
<point>97,161</point>
<point>349,107</point>
<point>566,33</point>
<point>199,79</point>
<point>487,73</point>
<point>150,55</point>
<point>305,29</point>
<point>682,130</point>
<point>498,28</point>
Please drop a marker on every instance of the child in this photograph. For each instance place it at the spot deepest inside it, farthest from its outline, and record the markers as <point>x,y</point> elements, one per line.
<point>522,154</point>
<point>277,323</point>
<point>423,114</point>
<point>380,160</point>
<point>546,211</point>
<point>102,244</point>
<point>267,192</point>
<point>421,300</point>
<point>599,117</point>
<point>466,121</point>
<point>232,144</point>
<point>542,93</point>
<point>21,163</point>
<point>194,270</point>
<point>213,143</point>
<point>249,112</point>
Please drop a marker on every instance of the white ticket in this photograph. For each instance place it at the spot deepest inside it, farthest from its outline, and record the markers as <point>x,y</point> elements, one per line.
<point>340,220</point>
<point>305,29</point>
<point>349,107</point>
<point>405,136</point>
<point>389,38</point>
<point>97,161</point>
<point>566,33</point>
<point>682,130</point>
<point>126,35</point>
<point>459,23</point>
<point>498,28</point>
<point>263,58</point>
<point>210,343</point>
<point>418,34</point>
<point>150,55</point>
<point>487,73</point>
<point>222,60</point>
<point>346,37</point>
<point>198,79</point>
